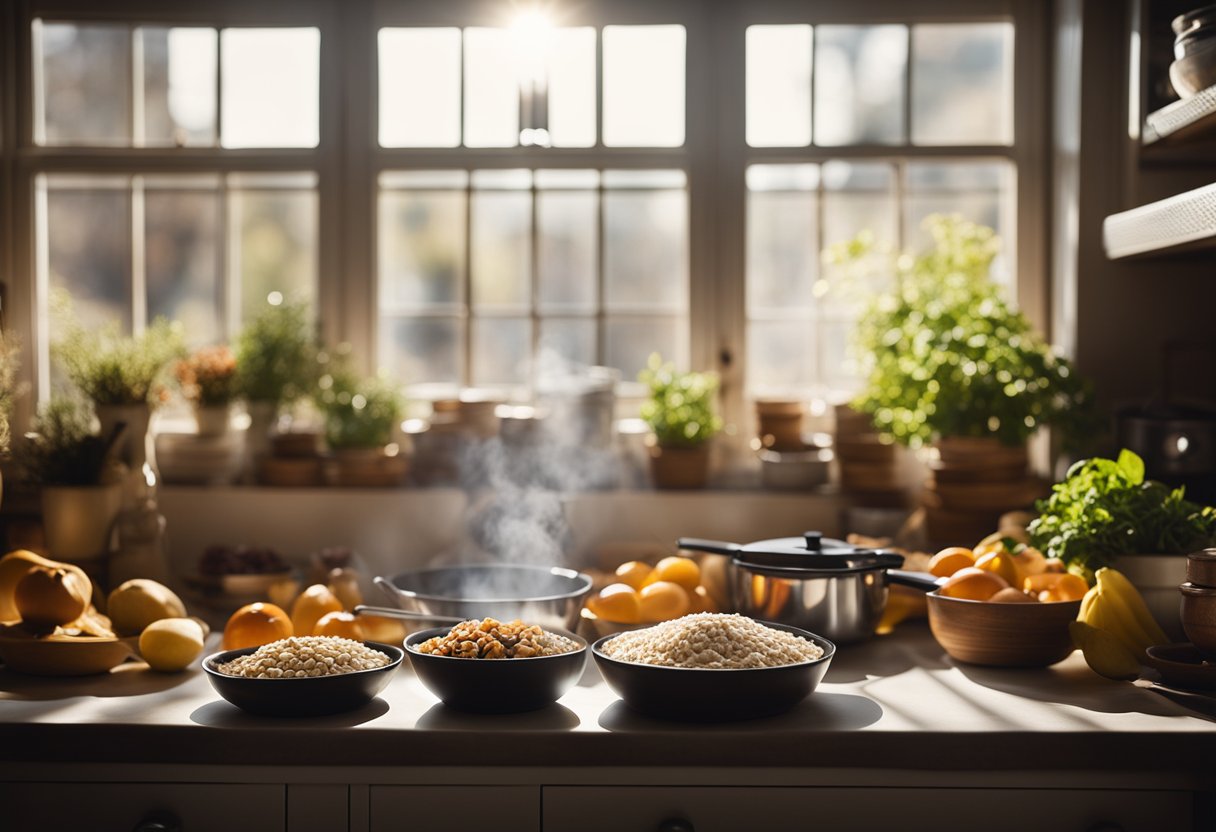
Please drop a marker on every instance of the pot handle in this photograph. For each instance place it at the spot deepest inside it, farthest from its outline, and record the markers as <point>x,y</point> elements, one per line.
<point>386,585</point>
<point>916,580</point>
<point>716,547</point>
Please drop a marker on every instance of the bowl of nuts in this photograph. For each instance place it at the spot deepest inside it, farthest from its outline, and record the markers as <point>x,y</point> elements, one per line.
<point>490,666</point>
<point>303,675</point>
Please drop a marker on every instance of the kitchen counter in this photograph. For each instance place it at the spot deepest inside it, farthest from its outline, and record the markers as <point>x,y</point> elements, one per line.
<point>896,704</point>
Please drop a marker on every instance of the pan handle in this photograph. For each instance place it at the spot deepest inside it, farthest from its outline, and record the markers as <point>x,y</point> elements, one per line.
<point>407,615</point>
<point>917,580</point>
<point>716,547</point>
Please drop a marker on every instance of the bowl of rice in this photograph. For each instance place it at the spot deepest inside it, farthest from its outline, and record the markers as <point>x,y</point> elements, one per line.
<point>496,667</point>
<point>711,667</point>
<point>303,675</point>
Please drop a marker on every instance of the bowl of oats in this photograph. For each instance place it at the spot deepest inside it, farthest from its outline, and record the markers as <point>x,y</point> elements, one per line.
<point>496,667</point>
<point>303,675</point>
<point>712,667</point>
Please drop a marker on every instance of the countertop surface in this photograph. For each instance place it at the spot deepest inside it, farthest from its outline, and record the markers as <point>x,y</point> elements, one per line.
<point>888,700</point>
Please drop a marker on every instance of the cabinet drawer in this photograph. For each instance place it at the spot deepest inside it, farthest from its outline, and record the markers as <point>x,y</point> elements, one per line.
<point>649,808</point>
<point>469,808</point>
<point>121,807</point>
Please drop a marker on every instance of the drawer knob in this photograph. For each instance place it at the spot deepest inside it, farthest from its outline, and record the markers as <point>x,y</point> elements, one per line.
<point>676,825</point>
<point>159,822</point>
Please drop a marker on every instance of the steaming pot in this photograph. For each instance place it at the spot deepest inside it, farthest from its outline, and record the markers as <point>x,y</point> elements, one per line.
<point>548,596</point>
<point>829,587</point>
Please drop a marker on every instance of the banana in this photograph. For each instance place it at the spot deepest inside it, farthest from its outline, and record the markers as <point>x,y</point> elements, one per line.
<point>1105,654</point>
<point>1104,615</point>
<point>1116,581</point>
<point>1126,626</point>
<point>1087,603</point>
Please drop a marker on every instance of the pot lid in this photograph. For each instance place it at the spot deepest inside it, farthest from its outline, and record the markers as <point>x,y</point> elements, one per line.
<point>811,551</point>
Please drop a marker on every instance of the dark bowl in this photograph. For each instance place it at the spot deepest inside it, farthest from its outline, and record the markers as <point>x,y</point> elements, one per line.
<point>313,696</point>
<point>691,694</point>
<point>496,686</point>
<point>1182,666</point>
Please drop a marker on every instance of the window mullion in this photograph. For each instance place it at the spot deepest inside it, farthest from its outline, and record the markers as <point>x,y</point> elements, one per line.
<point>139,275</point>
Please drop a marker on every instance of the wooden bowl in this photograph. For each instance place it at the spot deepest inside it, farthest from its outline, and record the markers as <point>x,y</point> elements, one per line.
<point>60,655</point>
<point>1002,635</point>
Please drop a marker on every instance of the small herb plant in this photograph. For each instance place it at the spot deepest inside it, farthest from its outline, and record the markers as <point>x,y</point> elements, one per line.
<point>115,369</point>
<point>945,355</point>
<point>1105,508</point>
<point>680,409</point>
<point>276,355</point>
<point>359,412</point>
<point>208,377</point>
<point>9,362</point>
<point>63,449</point>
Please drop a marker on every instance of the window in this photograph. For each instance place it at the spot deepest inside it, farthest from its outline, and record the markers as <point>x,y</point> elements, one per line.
<point>469,190</point>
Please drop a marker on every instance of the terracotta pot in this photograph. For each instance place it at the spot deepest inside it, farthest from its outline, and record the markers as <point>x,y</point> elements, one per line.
<point>979,452</point>
<point>262,417</point>
<point>212,420</point>
<point>679,466</point>
<point>366,468</point>
<point>779,424</point>
<point>852,423</point>
<point>77,521</point>
<point>1158,578</point>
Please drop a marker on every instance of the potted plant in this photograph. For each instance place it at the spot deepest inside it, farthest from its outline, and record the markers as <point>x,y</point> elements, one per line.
<point>208,382</point>
<point>276,360</point>
<point>9,354</point>
<point>680,414</point>
<point>1105,513</point>
<point>361,416</point>
<point>81,494</point>
<point>121,375</point>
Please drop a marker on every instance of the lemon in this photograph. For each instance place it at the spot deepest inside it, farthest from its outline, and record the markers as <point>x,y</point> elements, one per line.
<point>662,601</point>
<point>677,570</point>
<point>171,644</point>
<point>634,573</point>
<point>618,603</point>
<point>312,604</point>
<point>1001,563</point>
<point>948,561</point>
<point>973,584</point>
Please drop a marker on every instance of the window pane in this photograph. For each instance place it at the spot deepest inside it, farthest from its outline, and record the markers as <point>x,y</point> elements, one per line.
<point>422,350</point>
<point>571,339</point>
<point>491,89</point>
<point>838,369</point>
<point>568,258</point>
<point>779,86</point>
<point>181,257</point>
<point>859,84</point>
<point>419,87</point>
<point>88,245</point>
<point>858,196</point>
<point>646,257</point>
<point>274,233</point>
<point>422,248</point>
<point>571,75</point>
<point>84,94</point>
<point>630,341</point>
<point>782,249</point>
<point>780,356</point>
<point>501,349</point>
<point>269,83</point>
<point>643,86</point>
<point>179,86</point>
<point>501,248</point>
<point>980,191</point>
<point>962,83</point>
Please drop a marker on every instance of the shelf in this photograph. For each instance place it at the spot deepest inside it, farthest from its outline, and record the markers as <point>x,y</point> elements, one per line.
<point>1182,223</point>
<point>1188,120</point>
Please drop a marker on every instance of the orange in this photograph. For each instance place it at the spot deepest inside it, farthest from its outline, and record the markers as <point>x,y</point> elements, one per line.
<point>341,625</point>
<point>948,561</point>
<point>1056,586</point>
<point>634,573</point>
<point>313,603</point>
<point>1002,564</point>
<point>701,601</point>
<point>382,629</point>
<point>973,584</point>
<point>1030,561</point>
<point>662,601</point>
<point>618,603</point>
<point>256,624</point>
<point>677,570</point>
<point>1011,595</point>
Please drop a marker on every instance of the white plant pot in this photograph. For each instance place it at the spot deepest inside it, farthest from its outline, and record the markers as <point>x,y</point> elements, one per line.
<point>78,521</point>
<point>213,420</point>
<point>1158,578</point>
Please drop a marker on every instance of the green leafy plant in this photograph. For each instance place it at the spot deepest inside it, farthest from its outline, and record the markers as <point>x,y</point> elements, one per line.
<point>115,369</point>
<point>9,363</point>
<point>945,355</point>
<point>1105,508</point>
<point>276,355</point>
<point>680,409</point>
<point>63,448</point>
<point>208,377</point>
<point>359,412</point>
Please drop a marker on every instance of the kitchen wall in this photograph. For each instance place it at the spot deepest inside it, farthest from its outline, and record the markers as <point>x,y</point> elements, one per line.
<point>1116,317</point>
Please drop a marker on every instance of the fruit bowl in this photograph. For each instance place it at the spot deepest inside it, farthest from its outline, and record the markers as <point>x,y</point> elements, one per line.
<point>61,655</point>
<point>496,685</point>
<point>312,696</point>
<point>1002,635</point>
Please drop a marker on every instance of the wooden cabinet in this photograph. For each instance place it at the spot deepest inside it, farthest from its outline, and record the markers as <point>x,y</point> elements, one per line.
<point>134,807</point>
<point>772,809</point>
<point>466,808</point>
